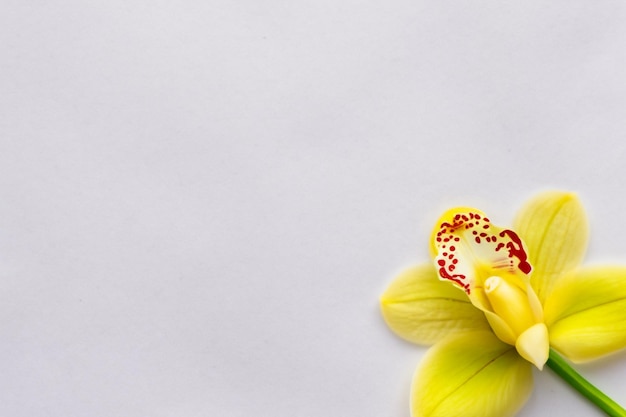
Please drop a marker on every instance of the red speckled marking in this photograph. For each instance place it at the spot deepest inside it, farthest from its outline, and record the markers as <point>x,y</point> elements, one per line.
<point>516,249</point>
<point>477,230</point>
<point>458,278</point>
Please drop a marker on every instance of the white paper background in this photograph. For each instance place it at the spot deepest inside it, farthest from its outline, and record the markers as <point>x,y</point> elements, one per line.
<point>201,202</point>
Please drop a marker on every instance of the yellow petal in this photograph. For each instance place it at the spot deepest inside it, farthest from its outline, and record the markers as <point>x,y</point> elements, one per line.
<point>554,228</point>
<point>471,374</point>
<point>586,313</point>
<point>422,309</point>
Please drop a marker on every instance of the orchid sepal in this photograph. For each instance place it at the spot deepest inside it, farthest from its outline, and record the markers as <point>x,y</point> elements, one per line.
<point>586,313</point>
<point>422,309</point>
<point>554,227</point>
<point>484,376</point>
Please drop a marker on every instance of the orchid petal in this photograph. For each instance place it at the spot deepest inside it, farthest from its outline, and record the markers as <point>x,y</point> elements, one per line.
<point>554,227</point>
<point>586,313</point>
<point>422,309</point>
<point>473,374</point>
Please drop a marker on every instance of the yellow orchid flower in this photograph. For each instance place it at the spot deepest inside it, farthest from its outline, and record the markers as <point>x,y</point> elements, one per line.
<point>496,301</point>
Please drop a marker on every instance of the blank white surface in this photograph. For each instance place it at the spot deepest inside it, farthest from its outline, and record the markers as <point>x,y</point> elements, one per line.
<point>201,202</point>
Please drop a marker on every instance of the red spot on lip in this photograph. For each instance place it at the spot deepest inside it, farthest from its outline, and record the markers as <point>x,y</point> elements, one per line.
<point>457,278</point>
<point>516,249</point>
<point>441,262</point>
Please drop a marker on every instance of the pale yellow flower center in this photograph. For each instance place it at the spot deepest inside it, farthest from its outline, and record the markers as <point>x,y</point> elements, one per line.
<point>510,303</point>
<point>491,265</point>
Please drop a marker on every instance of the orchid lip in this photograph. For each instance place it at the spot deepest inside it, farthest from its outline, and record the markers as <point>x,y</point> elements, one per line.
<point>470,248</point>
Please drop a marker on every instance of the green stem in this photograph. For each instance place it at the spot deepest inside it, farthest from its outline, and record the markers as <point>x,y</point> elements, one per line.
<point>565,371</point>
